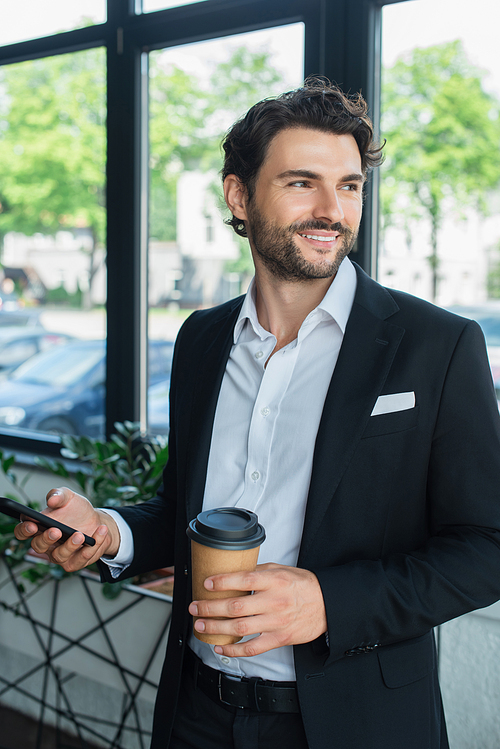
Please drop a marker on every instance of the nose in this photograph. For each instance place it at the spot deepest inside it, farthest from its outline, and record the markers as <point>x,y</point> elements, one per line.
<point>328,206</point>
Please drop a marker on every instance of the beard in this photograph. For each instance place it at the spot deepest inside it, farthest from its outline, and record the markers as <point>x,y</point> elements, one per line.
<point>276,247</point>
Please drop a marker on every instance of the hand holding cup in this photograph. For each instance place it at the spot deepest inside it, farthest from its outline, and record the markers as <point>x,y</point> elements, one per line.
<point>225,539</point>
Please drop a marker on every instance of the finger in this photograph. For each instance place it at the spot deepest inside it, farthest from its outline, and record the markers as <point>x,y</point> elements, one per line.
<point>26,530</point>
<point>74,555</point>
<point>59,497</point>
<point>244,581</point>
<point>256,646</point>
<point>247,626</point>
<point>228,607</point>
<point>45,540</point>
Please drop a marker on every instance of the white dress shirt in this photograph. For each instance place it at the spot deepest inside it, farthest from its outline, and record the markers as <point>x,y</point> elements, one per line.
<point>265,428</point>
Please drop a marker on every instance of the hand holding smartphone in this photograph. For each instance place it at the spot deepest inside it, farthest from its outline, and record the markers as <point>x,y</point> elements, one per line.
<point>16,509</point>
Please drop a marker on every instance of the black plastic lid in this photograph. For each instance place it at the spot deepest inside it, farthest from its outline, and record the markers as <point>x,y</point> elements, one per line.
<point>227,528</point>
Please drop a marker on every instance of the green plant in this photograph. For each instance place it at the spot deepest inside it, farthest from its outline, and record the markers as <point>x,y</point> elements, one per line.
<point>122,471</point>
<point>17,550</point>
<point>7,525</point>
<point>125,470</point>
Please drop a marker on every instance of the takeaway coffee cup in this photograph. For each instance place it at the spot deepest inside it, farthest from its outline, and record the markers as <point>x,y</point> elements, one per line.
<point>226,539</point>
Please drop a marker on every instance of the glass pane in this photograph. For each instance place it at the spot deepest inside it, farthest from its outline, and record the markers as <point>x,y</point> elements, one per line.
<point>196,92</point>
<point>149,5</point>
<point>439,234</point>
<point>52,230</point>
<point>21,20</point>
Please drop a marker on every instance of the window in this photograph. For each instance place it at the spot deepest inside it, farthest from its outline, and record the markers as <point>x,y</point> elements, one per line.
<point>440,185</point>
<point>98,280</point>
<point>29,19</point>
<point>52,219</point>
<point>196,92</point>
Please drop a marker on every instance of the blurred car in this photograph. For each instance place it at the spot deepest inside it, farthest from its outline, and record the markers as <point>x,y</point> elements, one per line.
<point>17,344</point>
<point>28,317</point>
<point>488,317</point>
<point>158,408</point>
<point>62,391</point>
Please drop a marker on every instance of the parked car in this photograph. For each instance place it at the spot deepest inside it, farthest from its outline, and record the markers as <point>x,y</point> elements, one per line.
<point>63,390</point>
<point>17,344</point>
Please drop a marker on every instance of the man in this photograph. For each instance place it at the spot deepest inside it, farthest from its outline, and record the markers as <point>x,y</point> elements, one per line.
<point>359,423</point>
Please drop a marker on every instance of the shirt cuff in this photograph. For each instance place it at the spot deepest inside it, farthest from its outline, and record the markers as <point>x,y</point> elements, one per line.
<point>125,553</point>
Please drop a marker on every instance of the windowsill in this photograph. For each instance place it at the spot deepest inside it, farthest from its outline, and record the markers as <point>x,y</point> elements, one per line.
<point>31,445</point>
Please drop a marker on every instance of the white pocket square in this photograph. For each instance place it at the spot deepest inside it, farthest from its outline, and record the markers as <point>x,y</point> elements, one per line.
<point>387,404</point>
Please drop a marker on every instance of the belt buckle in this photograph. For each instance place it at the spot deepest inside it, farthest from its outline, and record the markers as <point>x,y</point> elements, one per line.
<point>220,690</point>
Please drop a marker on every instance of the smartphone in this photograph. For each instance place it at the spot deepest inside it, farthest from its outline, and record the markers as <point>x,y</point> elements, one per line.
<point>16,509</point>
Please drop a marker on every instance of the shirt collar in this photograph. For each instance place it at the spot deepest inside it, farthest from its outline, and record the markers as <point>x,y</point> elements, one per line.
<point>336,303</point>
<point>339,298</point>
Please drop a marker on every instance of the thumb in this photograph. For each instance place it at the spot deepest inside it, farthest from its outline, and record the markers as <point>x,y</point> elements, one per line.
<point>59,497</point>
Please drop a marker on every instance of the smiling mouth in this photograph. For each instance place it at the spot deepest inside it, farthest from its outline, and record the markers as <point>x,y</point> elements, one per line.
<point>320,237</point>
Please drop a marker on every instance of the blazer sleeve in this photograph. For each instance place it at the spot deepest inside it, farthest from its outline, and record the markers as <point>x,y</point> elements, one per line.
<point>373,602</point>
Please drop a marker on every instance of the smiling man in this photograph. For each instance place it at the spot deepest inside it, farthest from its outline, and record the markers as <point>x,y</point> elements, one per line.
<point>359,423</point>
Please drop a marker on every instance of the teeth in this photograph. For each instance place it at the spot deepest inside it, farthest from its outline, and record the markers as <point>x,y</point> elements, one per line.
<point>318,238</point>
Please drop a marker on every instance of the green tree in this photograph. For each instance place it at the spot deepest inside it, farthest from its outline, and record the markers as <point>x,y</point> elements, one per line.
<point>188,119</point>
<point>52,146</point>
<point>443,139</point>
<point>177,109</point>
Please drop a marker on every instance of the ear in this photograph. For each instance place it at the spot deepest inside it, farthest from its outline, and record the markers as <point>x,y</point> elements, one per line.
<point>235,195</point>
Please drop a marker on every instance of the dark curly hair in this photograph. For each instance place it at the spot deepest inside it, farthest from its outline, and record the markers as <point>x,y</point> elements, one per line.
<point>318,105</point>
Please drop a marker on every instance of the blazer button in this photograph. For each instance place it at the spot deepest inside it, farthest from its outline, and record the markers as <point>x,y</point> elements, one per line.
<point>179,642</point>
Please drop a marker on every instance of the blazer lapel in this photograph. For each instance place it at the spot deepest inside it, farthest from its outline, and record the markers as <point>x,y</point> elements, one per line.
<point>211,365</point>
<point>366,355</point>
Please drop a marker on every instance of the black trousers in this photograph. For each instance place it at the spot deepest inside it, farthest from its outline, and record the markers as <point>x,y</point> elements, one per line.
<point>201,723</point>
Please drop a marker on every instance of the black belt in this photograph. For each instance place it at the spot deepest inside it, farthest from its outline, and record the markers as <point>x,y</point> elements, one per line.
<point>232,692</point>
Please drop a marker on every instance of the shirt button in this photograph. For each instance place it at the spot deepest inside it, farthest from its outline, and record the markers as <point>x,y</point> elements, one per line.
<point>265,411</point>
<point>259,354</point>
<point>226,660</point>
<point>255,476</point>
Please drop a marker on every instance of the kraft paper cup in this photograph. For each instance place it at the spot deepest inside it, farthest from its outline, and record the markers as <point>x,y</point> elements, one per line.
<point>222,540</point>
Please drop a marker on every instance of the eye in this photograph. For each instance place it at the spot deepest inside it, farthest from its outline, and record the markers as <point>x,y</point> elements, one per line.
<point>354,187</point>
<point>299,183</point>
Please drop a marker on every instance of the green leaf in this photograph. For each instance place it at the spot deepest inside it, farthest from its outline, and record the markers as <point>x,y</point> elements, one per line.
<point>58,469</point>
<point>37,573</point>
<point>111,591</point>
<point>119,442</point>
<point>69,454</point>
<point>7,463</point>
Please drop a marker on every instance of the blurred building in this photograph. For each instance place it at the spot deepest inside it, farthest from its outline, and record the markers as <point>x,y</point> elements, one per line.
<point>464,253</point>
<point>189,272</point>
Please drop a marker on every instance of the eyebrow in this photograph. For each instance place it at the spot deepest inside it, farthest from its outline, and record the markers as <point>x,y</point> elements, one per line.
<point>306,174</point>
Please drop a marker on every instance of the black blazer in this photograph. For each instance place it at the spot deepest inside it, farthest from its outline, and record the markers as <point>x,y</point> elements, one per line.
<point>402,525</point>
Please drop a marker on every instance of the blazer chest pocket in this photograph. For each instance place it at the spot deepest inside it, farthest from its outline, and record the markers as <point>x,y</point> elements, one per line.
<point>398,421</point>
<point>407,662</point>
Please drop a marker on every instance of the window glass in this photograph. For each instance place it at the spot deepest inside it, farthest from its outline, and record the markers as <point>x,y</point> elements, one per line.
<point>52,231</point>
<point>196,92</point>
<point>439,186</point>
<point>21,20</point>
